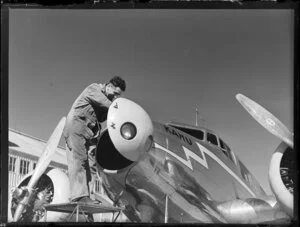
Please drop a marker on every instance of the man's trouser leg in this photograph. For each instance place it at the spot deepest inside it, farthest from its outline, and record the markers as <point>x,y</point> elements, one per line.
<point>92,169</point>
<point>77,166</point>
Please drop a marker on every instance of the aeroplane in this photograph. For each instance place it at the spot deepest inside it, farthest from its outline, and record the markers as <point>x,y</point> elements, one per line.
<point>175,173</point>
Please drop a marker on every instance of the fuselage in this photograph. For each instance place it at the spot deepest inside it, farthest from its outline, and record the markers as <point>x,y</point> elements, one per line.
<point>180,179</point>
<point>170,173</point>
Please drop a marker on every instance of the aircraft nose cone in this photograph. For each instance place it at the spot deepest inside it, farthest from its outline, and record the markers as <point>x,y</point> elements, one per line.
<point>130,128</point>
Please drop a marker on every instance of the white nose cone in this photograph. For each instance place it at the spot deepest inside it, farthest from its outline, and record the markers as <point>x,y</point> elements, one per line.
<point>130,128</point>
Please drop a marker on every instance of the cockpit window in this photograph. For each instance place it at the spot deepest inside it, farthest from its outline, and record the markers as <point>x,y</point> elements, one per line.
<point>195,133</point>
<point>226,150</point>
<point>227,147</point>
<point>211,138</point>
<point>223,147</point>
<point>222,144</point>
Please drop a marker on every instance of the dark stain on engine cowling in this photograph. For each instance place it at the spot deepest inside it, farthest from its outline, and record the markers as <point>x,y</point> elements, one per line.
<point>288,169</point>
<point>107,156</point>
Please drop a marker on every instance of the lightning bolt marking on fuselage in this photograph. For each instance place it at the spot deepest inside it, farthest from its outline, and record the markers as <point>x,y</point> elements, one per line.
<point>189,154</point>
<point>203,161</point>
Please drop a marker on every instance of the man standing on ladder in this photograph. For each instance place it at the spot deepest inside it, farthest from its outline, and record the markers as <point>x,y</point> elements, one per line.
<point>81,133</point>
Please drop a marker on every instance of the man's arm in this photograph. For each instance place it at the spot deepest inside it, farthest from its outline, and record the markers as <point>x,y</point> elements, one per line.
<point>96,97</point>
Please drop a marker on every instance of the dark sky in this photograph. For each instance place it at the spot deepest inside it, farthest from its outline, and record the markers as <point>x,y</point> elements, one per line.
<point>173,61</point>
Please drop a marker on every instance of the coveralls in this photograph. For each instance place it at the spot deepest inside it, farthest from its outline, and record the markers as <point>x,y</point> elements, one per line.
<point>81,134</point>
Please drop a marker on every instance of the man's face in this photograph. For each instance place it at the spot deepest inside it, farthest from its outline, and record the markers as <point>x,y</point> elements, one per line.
<point>112,92</point>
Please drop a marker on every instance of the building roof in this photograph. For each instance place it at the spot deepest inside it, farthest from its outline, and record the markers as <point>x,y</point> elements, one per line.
<point>33,146</point>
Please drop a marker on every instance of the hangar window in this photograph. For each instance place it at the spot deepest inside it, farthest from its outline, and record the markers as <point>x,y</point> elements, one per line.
<point>24,167</point>
<point>12,163</point>
<point>211,138</point>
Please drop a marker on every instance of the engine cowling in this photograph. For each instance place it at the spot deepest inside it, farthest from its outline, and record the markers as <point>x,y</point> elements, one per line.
<point>52,188</point>
<point>129,127</point>
<point>281,172</point>
<point>127,137</point>
<point>251,210</point>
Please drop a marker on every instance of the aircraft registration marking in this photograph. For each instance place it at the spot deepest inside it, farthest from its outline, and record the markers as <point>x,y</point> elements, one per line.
<point>204,151</point>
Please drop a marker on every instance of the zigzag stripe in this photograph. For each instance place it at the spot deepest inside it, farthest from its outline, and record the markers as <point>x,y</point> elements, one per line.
<point>189,154</point>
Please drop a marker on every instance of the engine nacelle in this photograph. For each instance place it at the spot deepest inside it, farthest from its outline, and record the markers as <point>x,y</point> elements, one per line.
<point>130,128</point>
<point>53,187</point>
<point>249,211</point>
<point>127,137</point>
<point>280,177</point>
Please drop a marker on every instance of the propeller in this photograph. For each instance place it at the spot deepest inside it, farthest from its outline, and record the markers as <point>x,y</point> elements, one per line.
<point>266,119</point>
<point>41,166</point>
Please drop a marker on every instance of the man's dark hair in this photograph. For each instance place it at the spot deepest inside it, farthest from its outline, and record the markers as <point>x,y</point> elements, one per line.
<point>118,82</point>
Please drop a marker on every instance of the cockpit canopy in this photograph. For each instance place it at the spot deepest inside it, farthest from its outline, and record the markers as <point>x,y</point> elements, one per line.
<point>204,135</point>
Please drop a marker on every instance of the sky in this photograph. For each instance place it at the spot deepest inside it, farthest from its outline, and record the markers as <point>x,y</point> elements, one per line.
<point>172,60</point>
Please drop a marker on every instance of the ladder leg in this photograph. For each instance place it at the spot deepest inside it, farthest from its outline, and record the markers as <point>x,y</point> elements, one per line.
<point>84,214</point>
<point>166,209</point>
<point>115,219</point>
<point>72,214</point>
<point>112,216</point>
<point>45,216</point>
<point>77,213</point>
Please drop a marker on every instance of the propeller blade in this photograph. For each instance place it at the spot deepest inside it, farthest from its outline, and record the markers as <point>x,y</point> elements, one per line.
<point>266,119</point>
<point>41,166</point>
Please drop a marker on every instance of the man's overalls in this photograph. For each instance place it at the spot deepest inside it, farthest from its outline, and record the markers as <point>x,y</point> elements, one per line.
<point>81,134</point>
